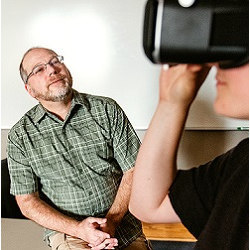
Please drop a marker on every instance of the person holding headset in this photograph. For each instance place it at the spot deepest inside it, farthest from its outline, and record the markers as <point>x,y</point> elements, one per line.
<point>211,200</point>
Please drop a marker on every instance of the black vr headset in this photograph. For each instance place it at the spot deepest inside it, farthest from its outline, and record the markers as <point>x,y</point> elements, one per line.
<point>189,31</point>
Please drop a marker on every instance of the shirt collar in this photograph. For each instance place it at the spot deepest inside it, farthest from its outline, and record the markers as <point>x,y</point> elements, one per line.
<point>77,99</point>
<point>39,113</point>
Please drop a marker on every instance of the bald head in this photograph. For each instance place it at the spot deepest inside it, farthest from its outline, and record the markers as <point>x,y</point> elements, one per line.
<point>26,57</point>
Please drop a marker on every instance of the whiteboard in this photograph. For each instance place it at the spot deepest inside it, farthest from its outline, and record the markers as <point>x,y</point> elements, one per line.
<point>101,41</point>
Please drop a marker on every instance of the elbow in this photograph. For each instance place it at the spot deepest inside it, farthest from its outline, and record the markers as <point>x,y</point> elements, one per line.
<point>140,213</point>
<point>26,203</point>
<point>25,213</point>
<point>133,209</point>
<point>138,208</point>
<point>22,208</point>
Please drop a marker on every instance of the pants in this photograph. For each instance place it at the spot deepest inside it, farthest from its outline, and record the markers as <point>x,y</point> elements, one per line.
<point>61,241</point>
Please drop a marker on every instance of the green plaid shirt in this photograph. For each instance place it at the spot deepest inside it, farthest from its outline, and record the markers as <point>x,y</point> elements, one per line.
<point>76,164</point>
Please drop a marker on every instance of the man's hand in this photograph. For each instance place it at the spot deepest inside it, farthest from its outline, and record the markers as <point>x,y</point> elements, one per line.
<point>106,244</point>
<point>90,230</point>
<point>108,227</point>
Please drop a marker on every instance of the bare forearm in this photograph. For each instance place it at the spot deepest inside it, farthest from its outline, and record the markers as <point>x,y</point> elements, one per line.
<point>88,229</point>
<point>120,205</point>
<point>43,214</point>
<point>156,167</point>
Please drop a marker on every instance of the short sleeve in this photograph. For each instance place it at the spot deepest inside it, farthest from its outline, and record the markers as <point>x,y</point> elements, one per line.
<point>125,140</point>
<point>23,179</point>
<point>194,191</point>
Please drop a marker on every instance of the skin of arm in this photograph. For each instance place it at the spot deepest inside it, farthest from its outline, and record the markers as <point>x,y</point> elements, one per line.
<point>156,165</point>
<point>120,205</point>
<point>88,229</point>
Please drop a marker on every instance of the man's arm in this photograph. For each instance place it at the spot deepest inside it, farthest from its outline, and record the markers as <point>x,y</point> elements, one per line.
<point>120,205</point>
<point>39,211</point>
<point>156,165</point>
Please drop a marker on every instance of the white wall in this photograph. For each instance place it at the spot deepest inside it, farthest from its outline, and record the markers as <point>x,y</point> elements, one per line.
<point>102,45</point>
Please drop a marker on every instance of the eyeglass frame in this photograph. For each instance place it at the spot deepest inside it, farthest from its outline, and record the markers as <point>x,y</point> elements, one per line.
<point>60,60</point>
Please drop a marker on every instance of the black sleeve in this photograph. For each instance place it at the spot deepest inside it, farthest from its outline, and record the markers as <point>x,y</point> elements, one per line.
<point>194,191</point>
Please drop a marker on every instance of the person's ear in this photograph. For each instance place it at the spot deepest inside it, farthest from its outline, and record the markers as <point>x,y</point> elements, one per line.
<point>29,89</point>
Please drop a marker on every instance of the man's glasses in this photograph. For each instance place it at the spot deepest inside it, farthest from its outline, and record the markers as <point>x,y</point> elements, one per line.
<point>41,68</point>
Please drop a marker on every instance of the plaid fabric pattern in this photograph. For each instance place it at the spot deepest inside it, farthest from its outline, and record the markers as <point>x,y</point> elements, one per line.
<point>76,164</point>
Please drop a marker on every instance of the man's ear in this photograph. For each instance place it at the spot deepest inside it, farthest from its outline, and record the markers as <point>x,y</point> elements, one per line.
<point>29,90</point>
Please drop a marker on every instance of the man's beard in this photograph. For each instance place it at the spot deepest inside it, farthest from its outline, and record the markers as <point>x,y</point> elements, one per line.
<point>58,95</point>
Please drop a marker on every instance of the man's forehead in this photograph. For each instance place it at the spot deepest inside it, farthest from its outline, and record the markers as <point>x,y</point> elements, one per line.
<point>36,56</point>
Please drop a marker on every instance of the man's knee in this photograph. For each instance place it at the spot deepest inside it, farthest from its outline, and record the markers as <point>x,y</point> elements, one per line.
<point>61,241</point>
